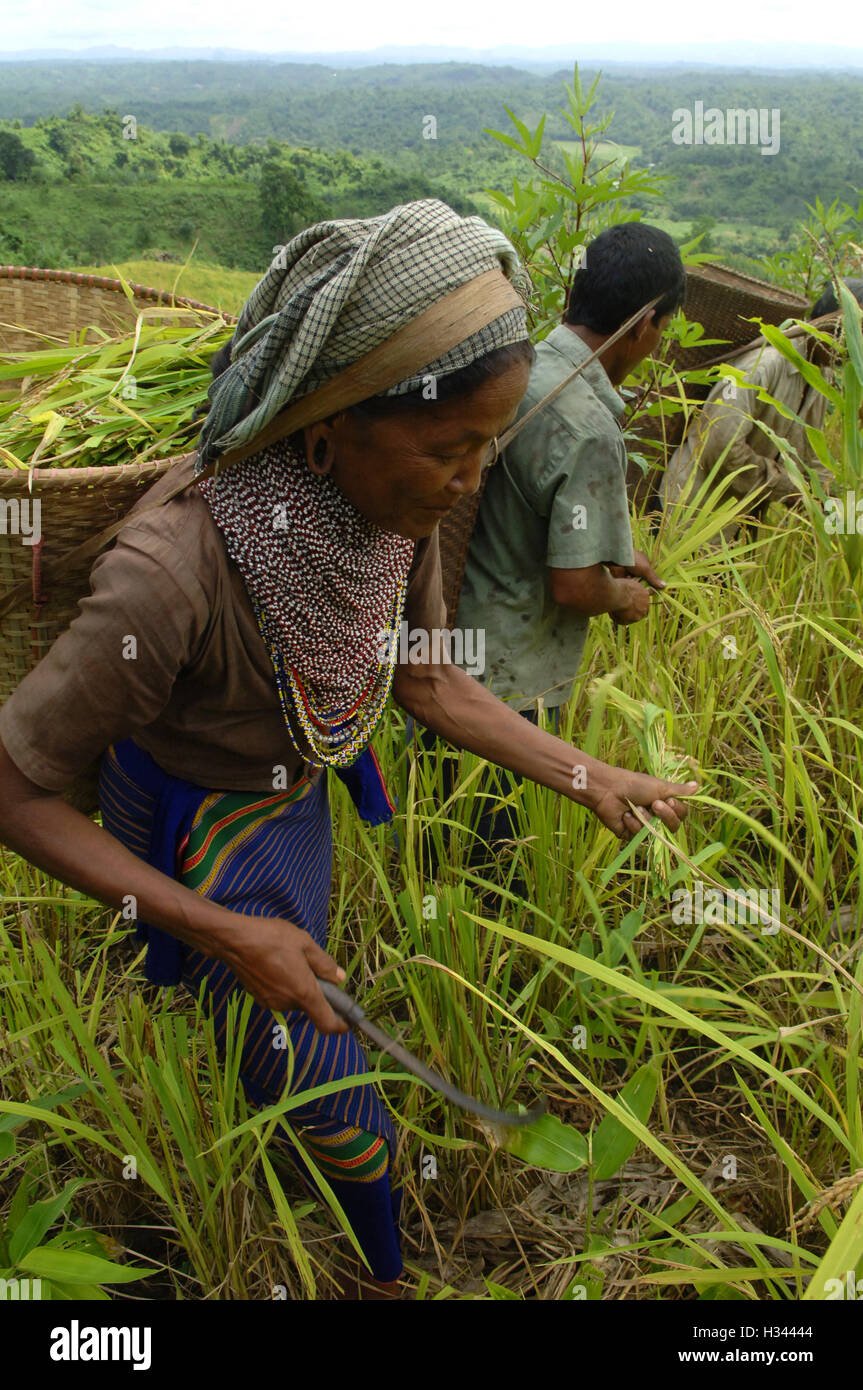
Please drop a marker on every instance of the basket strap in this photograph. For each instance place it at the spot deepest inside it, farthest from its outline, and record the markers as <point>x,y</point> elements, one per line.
<point>509,435</point>
<point>796,331</point>
<point>436,331</point>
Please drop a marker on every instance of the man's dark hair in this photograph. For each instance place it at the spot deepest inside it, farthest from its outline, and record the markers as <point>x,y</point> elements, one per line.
<point>625,267</point>
<point>828,301</point>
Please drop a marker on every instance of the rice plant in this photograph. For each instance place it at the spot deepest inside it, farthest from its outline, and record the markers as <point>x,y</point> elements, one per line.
<point>704,1136</point>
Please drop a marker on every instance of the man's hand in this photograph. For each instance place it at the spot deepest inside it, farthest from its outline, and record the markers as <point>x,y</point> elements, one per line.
<point>635,602</point>
<point>641,569</point>
<point>613,788</point>
<point>280,966</point>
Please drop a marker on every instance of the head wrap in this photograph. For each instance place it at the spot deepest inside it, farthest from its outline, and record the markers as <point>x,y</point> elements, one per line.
<point>327,585</point>
<point>337,291</point>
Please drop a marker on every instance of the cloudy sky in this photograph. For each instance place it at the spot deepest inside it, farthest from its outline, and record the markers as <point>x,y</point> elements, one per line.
<point>340,25</point>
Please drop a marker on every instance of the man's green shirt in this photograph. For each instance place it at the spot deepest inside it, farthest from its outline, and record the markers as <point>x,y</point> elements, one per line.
<point>557,497</point>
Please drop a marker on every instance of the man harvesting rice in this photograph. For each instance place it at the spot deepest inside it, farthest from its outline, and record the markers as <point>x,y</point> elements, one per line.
<point>737,432</point>
<point>230,651</point>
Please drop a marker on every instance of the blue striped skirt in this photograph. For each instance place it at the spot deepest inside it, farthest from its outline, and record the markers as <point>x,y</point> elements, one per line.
<point>262,855</point>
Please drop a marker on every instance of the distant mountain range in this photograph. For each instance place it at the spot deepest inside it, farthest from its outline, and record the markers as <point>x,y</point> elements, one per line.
<point>731,54</point>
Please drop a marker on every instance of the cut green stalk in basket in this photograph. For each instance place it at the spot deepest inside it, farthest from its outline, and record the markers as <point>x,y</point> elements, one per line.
<point>127,398</point>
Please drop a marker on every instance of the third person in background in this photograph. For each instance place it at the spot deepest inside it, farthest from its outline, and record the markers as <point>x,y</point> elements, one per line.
<point>737,427</point>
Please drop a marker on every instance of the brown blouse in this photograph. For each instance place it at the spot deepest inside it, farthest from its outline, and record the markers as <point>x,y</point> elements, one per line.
<point>166,649</point>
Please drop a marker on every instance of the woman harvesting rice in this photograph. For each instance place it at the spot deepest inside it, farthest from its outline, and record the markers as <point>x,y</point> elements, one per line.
<point>231,649</point>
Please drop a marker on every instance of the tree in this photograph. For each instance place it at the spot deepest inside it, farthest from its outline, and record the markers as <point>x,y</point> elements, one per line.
<point>286,204</point>
<point>16,160</point>
<point>552,217</point>
<point>703,226</point>
<point>60,140</point>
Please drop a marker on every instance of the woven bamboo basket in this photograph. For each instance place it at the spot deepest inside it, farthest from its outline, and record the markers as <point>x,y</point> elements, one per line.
<point>75,504</point>
<point>722,301</point>
<point>454,534</point>
<point>55,303</point>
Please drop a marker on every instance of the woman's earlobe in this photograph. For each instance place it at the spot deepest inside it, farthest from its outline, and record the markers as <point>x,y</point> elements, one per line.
<point>319,452</point>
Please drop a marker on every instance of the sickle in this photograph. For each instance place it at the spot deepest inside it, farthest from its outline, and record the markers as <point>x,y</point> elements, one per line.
<point>350,1010</point>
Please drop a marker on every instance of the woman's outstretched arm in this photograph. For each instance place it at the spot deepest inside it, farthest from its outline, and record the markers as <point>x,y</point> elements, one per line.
<point>452,704</point>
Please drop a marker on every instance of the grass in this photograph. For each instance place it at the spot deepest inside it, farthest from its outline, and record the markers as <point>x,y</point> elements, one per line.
<point>134,395</point>
<point>605,149</point>
<point>707,1074</point>
<point>216,286</point>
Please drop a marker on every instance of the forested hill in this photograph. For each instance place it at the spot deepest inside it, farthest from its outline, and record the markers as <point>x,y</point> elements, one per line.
<point>381,110</point>
<point>85,188</point>
<point>113,161</point>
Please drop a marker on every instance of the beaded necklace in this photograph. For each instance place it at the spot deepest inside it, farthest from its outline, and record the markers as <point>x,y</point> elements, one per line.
<point>327,589</point>
<point>332,738</point>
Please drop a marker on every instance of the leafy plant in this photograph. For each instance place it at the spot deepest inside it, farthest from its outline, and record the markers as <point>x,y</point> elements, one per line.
<point>69,1265</point>
<point>829,237</point>
<point>551,217</point>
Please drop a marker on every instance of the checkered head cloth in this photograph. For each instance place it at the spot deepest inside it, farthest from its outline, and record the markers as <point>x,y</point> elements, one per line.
<point>337,291</point>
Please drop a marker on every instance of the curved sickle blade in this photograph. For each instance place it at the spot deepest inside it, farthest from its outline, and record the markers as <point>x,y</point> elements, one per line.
<point>350,1010</point>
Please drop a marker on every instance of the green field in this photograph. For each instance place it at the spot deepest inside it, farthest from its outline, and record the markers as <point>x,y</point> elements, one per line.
<point>224,289</point>
<point>688,1006</point>
<point>605,149</point>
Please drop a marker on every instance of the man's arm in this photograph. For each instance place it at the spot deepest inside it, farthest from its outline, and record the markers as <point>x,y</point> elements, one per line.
<point>592,566</point>
<point>610,589</point>
<point>594,590</point>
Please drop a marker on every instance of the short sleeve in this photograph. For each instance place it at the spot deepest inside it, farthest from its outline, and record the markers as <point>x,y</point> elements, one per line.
<point>585,499</point>
<point>112,672</point>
